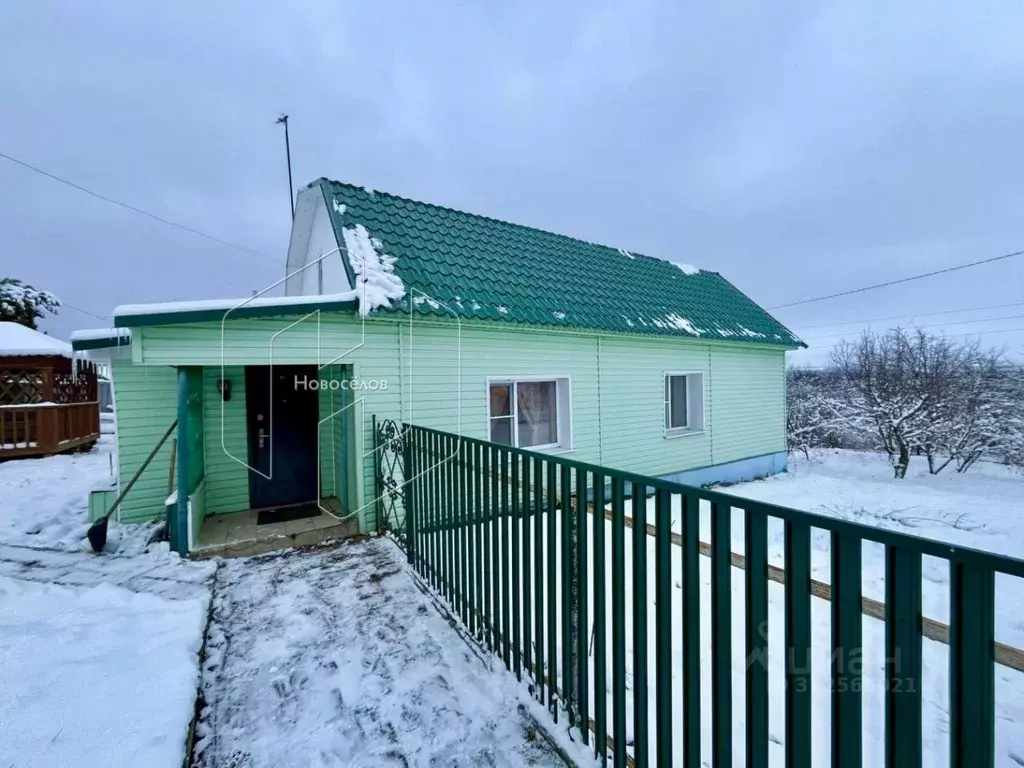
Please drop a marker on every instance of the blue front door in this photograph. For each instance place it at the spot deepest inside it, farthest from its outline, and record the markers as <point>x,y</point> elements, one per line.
<point>281,416</point>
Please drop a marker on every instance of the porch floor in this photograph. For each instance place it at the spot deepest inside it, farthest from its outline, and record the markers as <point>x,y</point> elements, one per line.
<point>237,534</point>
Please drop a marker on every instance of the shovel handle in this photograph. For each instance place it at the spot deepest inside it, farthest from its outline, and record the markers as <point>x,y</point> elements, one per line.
<point>140,470</point>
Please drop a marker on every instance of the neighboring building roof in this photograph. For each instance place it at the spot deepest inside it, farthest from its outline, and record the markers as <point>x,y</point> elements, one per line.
<point>455,263</point>
<point>17,340</point>
<point>100,338</point>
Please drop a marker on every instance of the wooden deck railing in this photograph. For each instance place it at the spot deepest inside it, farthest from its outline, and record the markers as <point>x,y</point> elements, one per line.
<point>42,429</point>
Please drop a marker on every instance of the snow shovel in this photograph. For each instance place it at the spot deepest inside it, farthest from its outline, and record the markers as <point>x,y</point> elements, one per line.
<point>97,532</point>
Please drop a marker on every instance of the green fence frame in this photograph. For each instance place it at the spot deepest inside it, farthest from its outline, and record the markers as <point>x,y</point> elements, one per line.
<point>475,512</point>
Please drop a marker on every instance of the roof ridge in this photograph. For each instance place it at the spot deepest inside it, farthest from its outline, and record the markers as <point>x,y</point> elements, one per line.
<point>635,254</point>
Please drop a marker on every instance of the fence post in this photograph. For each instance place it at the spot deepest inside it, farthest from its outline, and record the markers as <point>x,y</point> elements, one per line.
<point>408,476</point>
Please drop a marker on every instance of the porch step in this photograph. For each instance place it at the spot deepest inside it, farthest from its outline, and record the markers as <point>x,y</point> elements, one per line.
<point>238,535</point>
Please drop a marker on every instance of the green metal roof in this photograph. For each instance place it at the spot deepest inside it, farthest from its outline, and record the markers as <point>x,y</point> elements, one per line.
<point>478,267</point>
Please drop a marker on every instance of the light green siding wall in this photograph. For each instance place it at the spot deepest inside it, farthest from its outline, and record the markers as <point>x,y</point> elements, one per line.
<point>633,406</point>
<point>372,354</point>
<point>748,408</point>
<point>436,375</point>
<point>227,487</point>
<point>146,400</point>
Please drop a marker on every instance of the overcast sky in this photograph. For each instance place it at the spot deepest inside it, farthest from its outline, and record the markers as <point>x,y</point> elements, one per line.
<point>798,149</point>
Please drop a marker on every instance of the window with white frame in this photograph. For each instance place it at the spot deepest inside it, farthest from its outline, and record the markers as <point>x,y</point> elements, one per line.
<point>684,402</point>
<point>530,413</point>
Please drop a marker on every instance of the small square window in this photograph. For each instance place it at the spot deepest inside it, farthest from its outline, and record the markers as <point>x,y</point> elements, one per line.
<point>684,402</point>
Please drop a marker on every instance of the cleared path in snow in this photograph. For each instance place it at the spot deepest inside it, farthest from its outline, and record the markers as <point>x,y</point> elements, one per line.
<point>339,659</point>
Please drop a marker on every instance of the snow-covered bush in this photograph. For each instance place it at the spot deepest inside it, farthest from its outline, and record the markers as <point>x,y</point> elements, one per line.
<point>20,303</point>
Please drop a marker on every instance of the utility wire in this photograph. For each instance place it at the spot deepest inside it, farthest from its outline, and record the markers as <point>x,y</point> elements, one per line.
<point>929,325</point>
<point>909,317</point>
<point>132,208</point>
<point>105,318</point>
<point>901,280</point>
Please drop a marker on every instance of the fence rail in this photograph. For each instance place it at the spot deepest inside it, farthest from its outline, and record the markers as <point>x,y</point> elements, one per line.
<point>610,627</point>
<point>41,429</point>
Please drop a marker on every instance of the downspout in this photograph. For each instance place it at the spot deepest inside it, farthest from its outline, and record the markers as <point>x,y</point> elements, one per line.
<point>178,528</point>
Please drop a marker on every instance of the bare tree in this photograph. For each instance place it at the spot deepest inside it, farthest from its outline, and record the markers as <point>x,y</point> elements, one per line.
<point>973,419</point>
<point>903,379</point>
<point>816,412</point>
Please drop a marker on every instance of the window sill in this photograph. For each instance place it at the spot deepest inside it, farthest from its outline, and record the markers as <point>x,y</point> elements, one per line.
<point>553,449</point>
<point>674,433</point>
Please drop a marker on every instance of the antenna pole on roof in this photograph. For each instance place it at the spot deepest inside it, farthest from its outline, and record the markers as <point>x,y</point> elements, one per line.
<point>283,119</point>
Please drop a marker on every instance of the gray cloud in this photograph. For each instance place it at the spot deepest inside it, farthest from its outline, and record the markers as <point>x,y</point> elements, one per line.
<point>799,150</point>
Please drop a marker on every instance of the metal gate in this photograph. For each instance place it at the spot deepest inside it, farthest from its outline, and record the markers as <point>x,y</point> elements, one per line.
<point>389,442</point>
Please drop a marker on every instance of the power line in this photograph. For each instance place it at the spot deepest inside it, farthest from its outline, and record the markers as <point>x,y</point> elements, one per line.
<point>901,280</point>
<point>105,318</point>
<point>908,317</point>
<point>133,208</point>
<point>930,325</point>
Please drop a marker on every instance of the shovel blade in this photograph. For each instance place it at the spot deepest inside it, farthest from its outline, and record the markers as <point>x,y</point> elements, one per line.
<point>97,534</point>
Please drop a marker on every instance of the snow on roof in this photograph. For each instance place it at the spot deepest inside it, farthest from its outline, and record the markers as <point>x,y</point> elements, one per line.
<point>376,282</point>
<point>672,320</point>
<point>94,334</point>
<point>17,340</point>
<point>128,310</point>
<point>687,269</point>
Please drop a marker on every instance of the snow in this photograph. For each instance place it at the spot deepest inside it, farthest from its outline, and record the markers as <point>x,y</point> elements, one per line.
<point>129,310</point>
<point>337,657</point>
<point>426,300</point>
<point>980,509</point>
<point>751,334</point>
<point>376,283</point>
<point>44,502</point>
<point>97,675</point>
<point>341,659</point>
<point>94,334</point>
<point>673,320</point>
<point>503,309</point>
<point>559,315</point>
<point>340,208</point>
<point>626,253</point>
<point>98,654</point>
<point>687,269</point>
<point>17,340</point>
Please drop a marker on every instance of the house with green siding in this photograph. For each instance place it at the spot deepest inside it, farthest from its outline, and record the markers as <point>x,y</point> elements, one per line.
<point>399,310</point>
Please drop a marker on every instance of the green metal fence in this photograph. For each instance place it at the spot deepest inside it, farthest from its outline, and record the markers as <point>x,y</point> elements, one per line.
<point>537,556</point>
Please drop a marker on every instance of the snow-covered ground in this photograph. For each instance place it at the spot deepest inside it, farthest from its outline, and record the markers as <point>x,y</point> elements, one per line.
<point>980,509</point>
<point>98,657</point>
<point>338,658</point>
<point>45,502</point>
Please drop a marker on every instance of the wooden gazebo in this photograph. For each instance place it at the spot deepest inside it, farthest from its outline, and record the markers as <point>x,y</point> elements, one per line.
<point>48,398</point>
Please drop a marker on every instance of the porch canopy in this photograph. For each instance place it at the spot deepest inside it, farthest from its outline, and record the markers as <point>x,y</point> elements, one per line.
<point>48,398</point>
